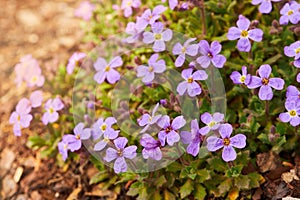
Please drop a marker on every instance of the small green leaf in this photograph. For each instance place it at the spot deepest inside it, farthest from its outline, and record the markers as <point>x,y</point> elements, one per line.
<point>186,189</point>
<point>99,177</point>
<point>200,192</point>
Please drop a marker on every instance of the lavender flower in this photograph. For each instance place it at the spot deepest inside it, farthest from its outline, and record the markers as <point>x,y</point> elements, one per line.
<point>107,71</point>
<point>151,147</point>
<point>210,54</point>
<point>74,60</point>
<point>63,147</point>
<point>134,33</point>
<point>292,93</point>
<point>149,17</point>
<point>190,84</point>
<point>298,78</point>
<point>147,120</point>
<point>172,3</point>
<point>158,36</point>
<point>193,138</point>
<point>36,99</point>
<point>51,107</point>
<point>169,130</point>
<point>292,114</point>
<point>21,117</point>
<point>154,66</point>
<point>127,6</point>
<point>238,141</point>
<point>265,83</point>
<point>290,12</point>
<point>108,133</point>
<point>212,122</point>
<point>241,32</point>
<point>21,69</point>
<point>187,48</point>
<point>265,5</point>
<point>103,127</point>
<point>293,51</point>
<point>120,153</point>
<point>85,10</point>
<point>243,78</point>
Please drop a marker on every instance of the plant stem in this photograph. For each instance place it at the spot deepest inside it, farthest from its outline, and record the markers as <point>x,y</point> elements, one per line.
<point>202,10</point>
<point>267,108</point>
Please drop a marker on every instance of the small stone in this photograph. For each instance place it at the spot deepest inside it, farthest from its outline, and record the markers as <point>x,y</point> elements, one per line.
<point>9,187</point>
<point>29,18</point>
<point>18,174</point>
<point>7,158</point>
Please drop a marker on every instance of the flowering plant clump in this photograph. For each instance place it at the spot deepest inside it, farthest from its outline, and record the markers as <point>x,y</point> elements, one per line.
<point>174,107</point>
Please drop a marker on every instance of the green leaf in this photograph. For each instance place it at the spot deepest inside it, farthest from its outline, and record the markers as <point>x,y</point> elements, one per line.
<point>225,186</point>
<point>186,189</point>
<point>35,141</point>
<point>160,181</point>
<point>99,177</point>
<point>200,192</point>
<point>134,189</point>
<point>234,171</point>
<point>203,175</point>
<point>242,182</point>
<point>168,195</point>
<point>254,180</point>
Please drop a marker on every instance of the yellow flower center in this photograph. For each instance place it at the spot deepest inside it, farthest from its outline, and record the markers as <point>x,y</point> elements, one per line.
<point>120,152</point>
<point>158,36</point>
<point>129,3</point>
<point>242,79</point>
<point>106,139</point>
<point>226,141</point>
<point>209,55</point>
<point>150,17</point>
<point>183,50</point>
<point>244,33</point>
<point>297,50</point>
<point>150,119</point>
<point>65,146</point>
<point>78,137</point>
<point>211,124</point>
<point>150,69</point>
<point>169,129</point>
<point>190,80</point>
<point>107,68</point>
<point>265,81</point>
<point>290,12</point>
<point>293,113</point>
<point>51,110</point>
<point>34,79</point>
<point>103,127</point>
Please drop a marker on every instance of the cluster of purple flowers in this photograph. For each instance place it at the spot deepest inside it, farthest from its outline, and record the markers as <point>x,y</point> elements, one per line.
<point>103,135</point>
<point>21,117</point>
<point>74,61</point>
<point>85,10</point>
<point>263,81</point>
<point>28,70</point>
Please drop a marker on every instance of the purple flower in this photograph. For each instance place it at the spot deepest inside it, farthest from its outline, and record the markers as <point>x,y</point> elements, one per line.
<point>212,122</point>
<point>158,36</point>
<point>107,71</point>
<point>265,5</point>
<point>265,83</point>
<point>241,32</point>
<point>36,99</point>
<point>85,10</point>
<point>292,114</point>
<point>21,69</point>
<point>193,138</point>
<point>73,142</point>
<point>290,12</point>
<point>21,117</point>
<point>215,143</point>
<point>149,17</point>
<point>103,127</point>
<point>293,51</point>
<point>134,33</point>
<point>172,3</point>
<point>298,78</point>
<point>154,66</point>
<point>210,54</point>
<point>74,60</point>
<point>169,130</point>
<point>147,120</point>
<point>120,153</point>
<point>243,78</point>
<point>292,93</point>
<point>51,107</point>
<point>151,147</point>
<point>127,6</point>
<point>187,48</point>
<point>190,84</point>
<point>108,133</point>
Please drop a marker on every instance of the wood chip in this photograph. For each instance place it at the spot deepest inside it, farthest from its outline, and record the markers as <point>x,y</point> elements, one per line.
<point>18,174</point>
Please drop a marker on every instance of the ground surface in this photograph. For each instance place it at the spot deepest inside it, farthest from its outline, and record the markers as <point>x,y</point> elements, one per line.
<point>49,31</point>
